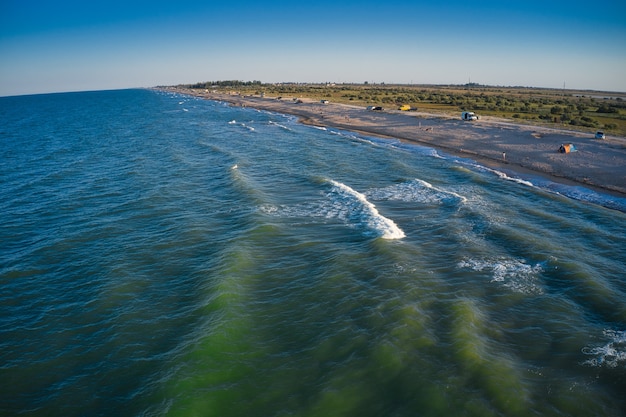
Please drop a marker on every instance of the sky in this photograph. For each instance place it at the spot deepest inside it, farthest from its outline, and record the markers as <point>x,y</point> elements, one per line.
<point>71,45</point>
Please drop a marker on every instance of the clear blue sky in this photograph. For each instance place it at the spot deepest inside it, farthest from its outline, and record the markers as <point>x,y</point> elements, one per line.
<point>61,45</point>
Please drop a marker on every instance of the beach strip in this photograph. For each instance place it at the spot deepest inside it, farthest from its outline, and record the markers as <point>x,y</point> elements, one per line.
<point>596,163</point>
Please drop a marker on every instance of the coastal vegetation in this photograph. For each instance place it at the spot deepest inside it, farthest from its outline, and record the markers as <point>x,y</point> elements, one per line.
<point>576,109</point>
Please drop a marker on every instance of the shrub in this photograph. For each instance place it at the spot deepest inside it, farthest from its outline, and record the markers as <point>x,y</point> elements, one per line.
<point>605,108</point>
<point>556,110</point>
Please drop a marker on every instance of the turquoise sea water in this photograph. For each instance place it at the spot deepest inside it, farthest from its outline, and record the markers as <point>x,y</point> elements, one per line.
<point>163,255</point>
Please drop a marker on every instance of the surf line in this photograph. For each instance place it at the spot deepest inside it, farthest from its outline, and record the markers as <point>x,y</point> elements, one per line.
<point>368,213</point>
<point>426,184</point>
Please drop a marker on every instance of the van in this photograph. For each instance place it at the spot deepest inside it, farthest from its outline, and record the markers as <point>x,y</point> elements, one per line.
<point>468,115</point>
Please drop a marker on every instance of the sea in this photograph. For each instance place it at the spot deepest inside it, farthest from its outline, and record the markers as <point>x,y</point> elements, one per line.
<point>165,255</point>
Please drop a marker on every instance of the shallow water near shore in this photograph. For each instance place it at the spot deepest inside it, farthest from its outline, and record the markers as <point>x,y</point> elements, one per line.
<point>165,255</point>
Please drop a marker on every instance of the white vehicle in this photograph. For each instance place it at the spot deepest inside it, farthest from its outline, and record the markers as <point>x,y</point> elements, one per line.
<point>600,135</point>
<point>468,115</point>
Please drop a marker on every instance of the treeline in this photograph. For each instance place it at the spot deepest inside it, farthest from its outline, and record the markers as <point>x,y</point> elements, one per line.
<point>226,83</point>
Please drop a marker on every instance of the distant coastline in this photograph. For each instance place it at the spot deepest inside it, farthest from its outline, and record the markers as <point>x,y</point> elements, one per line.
<point>597,163</point>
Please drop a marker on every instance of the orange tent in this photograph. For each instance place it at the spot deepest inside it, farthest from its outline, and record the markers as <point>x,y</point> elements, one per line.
<point>567,148</point>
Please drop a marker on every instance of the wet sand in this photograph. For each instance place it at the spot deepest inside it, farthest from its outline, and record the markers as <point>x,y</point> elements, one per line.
<point>599,164</point>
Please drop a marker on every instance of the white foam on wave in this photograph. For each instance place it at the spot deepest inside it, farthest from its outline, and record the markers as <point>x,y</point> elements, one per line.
<point>352,136</point>
<point>437,154</point>
<point>416,191</point>
<point>280,125</point>
<point>612,354</point>
<point>575,192</point>
<point>298,211</point>
<point>345,204</point>
<point>502,175</point>
<point>349,202</point>
<point>581,193</point>
<point>234,122</point>
<point>514,274</point>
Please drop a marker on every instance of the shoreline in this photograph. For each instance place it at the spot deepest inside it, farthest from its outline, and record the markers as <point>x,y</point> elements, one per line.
<point>599,165</point>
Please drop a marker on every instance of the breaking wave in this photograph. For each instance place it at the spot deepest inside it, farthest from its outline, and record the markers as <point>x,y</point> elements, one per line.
<point>345,204</point>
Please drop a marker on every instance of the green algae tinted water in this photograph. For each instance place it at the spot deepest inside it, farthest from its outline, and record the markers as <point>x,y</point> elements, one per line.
<point>166,256</point>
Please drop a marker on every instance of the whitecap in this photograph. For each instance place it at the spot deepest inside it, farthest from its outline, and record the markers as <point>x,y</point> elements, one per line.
<point>344,204</point>
<point>437,154</point>
<point>503,175</point>
<point>280,126</point>
<point>269,209</point>
<point>355,206</point>
<point>416,191</point>
<point>515,274</point>
<point>234,122</point>
<point>612,354</point>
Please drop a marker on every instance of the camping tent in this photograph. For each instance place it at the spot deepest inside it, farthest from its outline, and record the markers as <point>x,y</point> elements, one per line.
<point>567,148</point>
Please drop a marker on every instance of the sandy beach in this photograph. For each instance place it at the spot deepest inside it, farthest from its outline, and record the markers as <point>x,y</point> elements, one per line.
<point>597,163</point>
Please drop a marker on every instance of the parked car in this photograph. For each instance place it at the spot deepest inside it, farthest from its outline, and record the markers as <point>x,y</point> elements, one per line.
<point>600,135</point>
